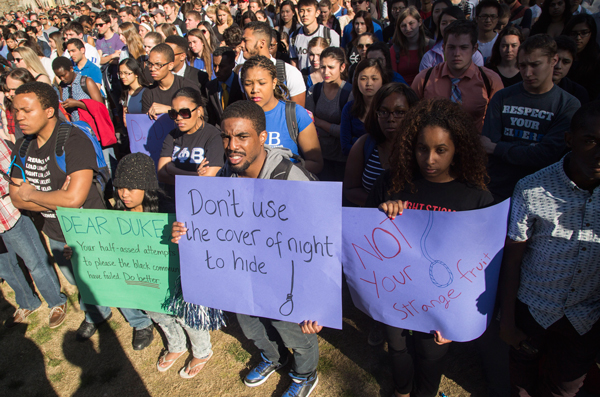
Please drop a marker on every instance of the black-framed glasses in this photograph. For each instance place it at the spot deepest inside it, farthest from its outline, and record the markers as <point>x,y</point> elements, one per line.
<point>156,66</point>
<point>580,33</point>
<point>185,113</point>
<point>397,114</point>
<point>485,16</point>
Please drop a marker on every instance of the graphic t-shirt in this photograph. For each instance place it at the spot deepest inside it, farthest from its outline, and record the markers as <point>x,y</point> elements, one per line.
<point>188,150</point>
<point>279,135</point>
<point>155,94</point>
<point>430,196</point>
<point>42,171</point>
<point>299,47</point>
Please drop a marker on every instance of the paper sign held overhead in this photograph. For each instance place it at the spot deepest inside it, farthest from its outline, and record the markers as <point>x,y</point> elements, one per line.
<point>147,135</point>
<point>262,247</point>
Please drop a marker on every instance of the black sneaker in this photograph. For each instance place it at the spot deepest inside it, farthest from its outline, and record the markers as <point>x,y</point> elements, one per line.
<point>259,374</point>
<point>87,330</point>
<point>301,387</point>
<point>142,338</point>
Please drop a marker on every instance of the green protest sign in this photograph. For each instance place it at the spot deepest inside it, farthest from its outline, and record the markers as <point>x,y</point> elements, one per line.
<point>120,258</point>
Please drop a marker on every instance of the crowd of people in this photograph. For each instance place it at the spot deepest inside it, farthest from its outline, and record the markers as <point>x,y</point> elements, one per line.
<point>453,105</point>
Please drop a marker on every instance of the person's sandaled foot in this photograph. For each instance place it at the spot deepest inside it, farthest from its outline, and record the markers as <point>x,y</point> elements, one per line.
<point>166,361</point>
<point>194,367</point>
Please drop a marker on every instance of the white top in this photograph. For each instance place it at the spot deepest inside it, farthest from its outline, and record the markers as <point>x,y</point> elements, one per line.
<point>294,82</point>
<point>486,48</point>
<point>91,54</point>
<point>299,48</point>
<point>47,63</point>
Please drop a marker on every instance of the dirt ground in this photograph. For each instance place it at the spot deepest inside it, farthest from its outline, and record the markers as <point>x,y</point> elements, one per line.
<point>38,361</point>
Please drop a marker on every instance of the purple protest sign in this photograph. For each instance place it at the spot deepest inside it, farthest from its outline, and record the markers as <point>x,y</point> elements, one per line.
<point>146,135</point>
<point>267,248</point>
<point>426,270</point>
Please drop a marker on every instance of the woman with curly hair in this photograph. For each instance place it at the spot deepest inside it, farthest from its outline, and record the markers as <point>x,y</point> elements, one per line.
<point>437,162</point>
<point>259,81</point>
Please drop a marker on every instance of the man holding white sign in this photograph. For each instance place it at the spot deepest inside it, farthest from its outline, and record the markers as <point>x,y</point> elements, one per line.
<point>243,130</point>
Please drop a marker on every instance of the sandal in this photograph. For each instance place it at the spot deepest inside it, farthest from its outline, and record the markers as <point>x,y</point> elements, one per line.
<point>163,360</point>
<point>184,373</point>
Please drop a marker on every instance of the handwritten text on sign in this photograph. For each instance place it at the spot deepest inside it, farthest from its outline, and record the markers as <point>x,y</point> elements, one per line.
<point>146,135</point>
<point>262,247</point>
<point>122,259</point>
<point>426,270</point>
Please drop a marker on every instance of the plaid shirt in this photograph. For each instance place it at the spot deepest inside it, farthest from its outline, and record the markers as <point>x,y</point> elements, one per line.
<point>9,215</point>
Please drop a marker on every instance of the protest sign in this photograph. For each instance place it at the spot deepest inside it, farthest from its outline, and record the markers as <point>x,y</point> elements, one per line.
<point>267,248</point>
<point>120,258</point>
<point>147,135</point>
<point>426,270</point>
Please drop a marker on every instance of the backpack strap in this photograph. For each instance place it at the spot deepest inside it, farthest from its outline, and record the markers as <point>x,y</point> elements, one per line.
<point>282,171</point>
<point>64,130</point>
<point>345,95</point>
<point>397,54</point>
<point>24,149</point>
<point>292,122</point>
<point>317,92</point>
<point>486,82</point>
<point>83,83</point>
<point>281,75</point>
<point>427,77</point>
<point>327,33</point>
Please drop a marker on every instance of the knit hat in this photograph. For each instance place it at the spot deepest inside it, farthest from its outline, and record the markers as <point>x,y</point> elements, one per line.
<point>136,171</point>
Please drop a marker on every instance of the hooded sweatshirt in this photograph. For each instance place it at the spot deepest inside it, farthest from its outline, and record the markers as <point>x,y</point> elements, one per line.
<point>274,157</point>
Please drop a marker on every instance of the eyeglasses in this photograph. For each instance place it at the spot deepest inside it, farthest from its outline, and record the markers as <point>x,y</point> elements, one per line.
<point>398,9</point>
<point>580,33</point>
<point>485,17</point>
<point>156,66</point>
<point>397,114</point>
<point>353,3</point>
<point>125,73</point>
<point>365,46</point>
<point>184,113</point>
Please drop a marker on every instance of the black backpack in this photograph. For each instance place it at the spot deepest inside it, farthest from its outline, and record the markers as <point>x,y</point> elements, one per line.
<point>282,171</point>
<point>344,95</point>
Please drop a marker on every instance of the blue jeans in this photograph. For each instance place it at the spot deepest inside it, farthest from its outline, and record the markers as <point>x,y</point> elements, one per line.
<point>23,240</point>
<point>93,313</point>
<point>175,330</point>
<point>111,159</point>
<point>304,346</point>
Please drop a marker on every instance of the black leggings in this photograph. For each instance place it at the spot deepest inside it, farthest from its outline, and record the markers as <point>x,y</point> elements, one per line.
<point>417,361</point>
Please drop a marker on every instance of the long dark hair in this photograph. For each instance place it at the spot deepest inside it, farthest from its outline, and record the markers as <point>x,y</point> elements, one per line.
<point>359,106</point>
<point>544,21</point>
<point>509,30</point>
<point>294,18</point>
<point>150,203</point>
<point>588,57</point>
<point>453,11</point>
<point>368,22</point>
<point>21,74</point>
<point>385,91</point>
<point>136,69</point>
<point>469,163</point>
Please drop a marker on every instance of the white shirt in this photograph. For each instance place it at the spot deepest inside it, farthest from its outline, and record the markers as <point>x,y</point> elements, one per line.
<point>299,47</point>
<point>560,269</point>
<point>294,80</point>
<point>486,48</point>
<point>181,71</point>
<point>91,54</point>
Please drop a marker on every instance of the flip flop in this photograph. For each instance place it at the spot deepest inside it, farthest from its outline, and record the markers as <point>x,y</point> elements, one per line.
<point>184,374</point>
<point>163,359</point>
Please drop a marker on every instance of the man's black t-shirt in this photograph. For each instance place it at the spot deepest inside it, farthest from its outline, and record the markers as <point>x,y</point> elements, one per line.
<point>42,171</point>
<point>429,196</point>
<point>155,95</point>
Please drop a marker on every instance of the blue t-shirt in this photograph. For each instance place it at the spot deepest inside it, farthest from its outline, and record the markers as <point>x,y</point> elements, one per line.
<point>279,135</point>
<point>90,70</point>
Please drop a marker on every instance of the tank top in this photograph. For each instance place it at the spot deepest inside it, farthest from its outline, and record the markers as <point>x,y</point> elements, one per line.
<point>372,170</point>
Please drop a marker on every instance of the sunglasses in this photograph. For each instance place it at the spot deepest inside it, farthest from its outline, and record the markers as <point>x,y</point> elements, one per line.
<point>100,24</point>
<point>17,60</point>
<point>361,46</point>
<point>184,113</point>
<point>353,3</point>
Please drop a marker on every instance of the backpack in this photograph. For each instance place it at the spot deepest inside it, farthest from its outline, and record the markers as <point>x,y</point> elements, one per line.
<point>344,95</point>
<point>64,129</point>
<point>282,171</point>
<point>486,81</point>
<point>292,121</point>
<point>281,74</point>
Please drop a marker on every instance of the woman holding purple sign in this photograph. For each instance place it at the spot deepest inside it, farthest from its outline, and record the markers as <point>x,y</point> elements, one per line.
<point>437,163</point>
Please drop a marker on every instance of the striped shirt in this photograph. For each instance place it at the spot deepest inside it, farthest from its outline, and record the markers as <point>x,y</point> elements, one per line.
<point>9,215</point>
<point>560,272</point>
<point>372,170</point>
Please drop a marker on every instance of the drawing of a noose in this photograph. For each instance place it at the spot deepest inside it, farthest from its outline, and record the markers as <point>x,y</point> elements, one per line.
<point>289,301</point>
<point>428,257</point>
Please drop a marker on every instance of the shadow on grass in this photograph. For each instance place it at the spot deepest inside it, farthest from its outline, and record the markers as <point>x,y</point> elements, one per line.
<point>22,365</point>
<point>106,371</point>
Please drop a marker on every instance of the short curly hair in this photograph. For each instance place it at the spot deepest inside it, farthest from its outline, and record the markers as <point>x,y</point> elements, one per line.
<point>44,92</point>
<point>469,162</point>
